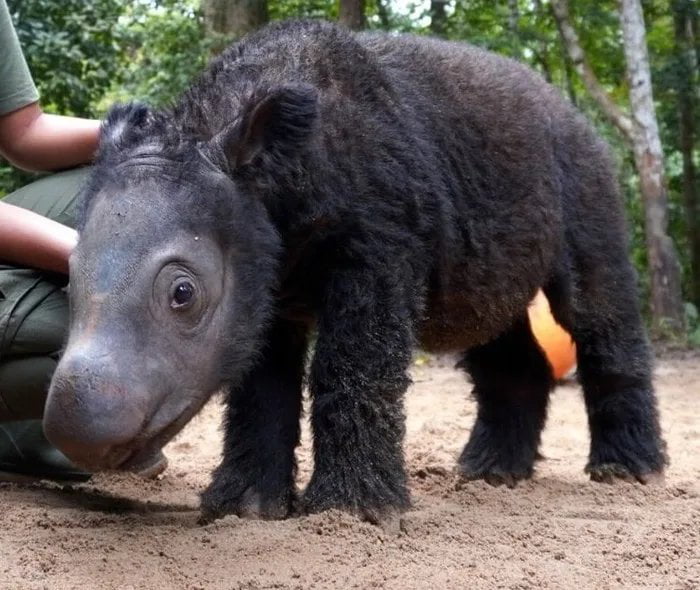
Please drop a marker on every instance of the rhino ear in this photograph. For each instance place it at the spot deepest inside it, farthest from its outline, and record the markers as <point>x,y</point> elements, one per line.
<point>124,124</point>
<point>274,124</point>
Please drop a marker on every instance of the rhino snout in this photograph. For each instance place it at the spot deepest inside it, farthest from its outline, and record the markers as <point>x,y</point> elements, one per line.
<point>92,414</point>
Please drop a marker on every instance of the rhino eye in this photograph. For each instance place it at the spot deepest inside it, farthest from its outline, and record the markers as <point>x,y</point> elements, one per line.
<point>182,295</point>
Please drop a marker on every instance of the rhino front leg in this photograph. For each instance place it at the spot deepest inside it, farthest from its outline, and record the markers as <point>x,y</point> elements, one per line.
<point>357,382</point>
<point>255,478</point>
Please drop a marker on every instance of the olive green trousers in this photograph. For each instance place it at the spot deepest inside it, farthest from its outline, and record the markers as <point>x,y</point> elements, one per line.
<point>34,306</point>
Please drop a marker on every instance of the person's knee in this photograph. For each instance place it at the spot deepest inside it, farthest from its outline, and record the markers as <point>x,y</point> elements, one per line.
<point>43,330</point>
<point>37,324</point>
<point>24,384</point>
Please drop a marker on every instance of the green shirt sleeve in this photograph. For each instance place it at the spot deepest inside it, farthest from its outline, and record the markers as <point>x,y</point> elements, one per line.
<point>17,88</point>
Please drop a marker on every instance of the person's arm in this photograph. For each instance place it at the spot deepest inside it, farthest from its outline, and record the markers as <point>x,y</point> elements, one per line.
<point>33,240</point>
<point>34,140</point>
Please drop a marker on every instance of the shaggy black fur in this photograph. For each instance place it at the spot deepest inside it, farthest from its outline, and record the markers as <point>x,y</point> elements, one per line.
<point>512,381</point>
<point>393,192</point>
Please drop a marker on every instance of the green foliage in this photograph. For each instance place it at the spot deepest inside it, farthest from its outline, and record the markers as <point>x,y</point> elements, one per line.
<point>84,56</point>
<point>72,48</point>
<point>693,322</point>
<point>670,73</point>
<point>284,9</point>
<point>483,23</point>
<point>73,51</point>
<point>164,48</point>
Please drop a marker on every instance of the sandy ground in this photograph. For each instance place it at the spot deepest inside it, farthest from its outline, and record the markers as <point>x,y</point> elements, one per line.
<point>557,531</point>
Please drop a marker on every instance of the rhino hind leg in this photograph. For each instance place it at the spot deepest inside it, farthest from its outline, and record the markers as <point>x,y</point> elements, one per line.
<point>512,381</point>
<point>614,368</point>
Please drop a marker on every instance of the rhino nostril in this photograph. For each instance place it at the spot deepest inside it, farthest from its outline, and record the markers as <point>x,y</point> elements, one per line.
<point>89,417</point>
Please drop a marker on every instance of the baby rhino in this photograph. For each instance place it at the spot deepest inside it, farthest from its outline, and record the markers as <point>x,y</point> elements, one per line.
<point>380,192</point>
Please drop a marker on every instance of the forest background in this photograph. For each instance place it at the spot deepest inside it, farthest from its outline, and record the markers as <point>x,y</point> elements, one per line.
<point>631,66</point>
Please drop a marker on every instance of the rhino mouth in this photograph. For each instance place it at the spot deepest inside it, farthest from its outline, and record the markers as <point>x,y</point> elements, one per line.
<point>148,463</point>
<point>141,453</point>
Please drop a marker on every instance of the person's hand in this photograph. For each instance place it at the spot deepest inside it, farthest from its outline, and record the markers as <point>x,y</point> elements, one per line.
<point>30,239</point>
<point>34,140</point>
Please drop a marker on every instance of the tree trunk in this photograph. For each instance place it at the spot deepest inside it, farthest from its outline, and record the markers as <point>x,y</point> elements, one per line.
<point>352,14</point>
<point>569,76</point>
<point>438,17</point>
<point>542,53</point>
<point>513,16</point>
<point>578,59</point>
<point>668,315</point>
<point>685,85</point>
<point>561,19</point>
<point>513,28</point>
<point>231,19</point>
<point>383,14</point>
<point>642,135</point>
<point>694,19</point>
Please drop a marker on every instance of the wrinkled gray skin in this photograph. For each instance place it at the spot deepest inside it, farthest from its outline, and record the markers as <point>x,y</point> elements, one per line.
<point>136,366</point>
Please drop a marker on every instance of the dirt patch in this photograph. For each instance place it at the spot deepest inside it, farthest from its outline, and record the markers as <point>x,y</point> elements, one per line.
<point>557,531</point>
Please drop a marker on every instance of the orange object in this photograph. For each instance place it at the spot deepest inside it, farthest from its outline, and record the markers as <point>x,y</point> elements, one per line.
<point>554,340</point>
